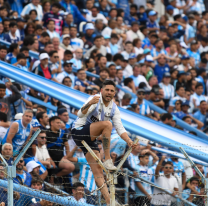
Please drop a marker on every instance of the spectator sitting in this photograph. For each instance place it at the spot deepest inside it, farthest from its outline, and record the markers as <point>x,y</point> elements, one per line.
<point>22,177</point>
<point>67,73</point>
<point>166,118</point>
<point>197,97</point>
<point>77,63</point>
<point>55,64</point>
<point>13,51</point>
<point>4,125</point>
<point>34,169</point>
<point>78,192</point>
<point>21,62</point>
<point>66,43</point>
<point>188,119</point>
<point>7,153</point>
<point>165,180</point>
<point>11,36</point>
<point>104,74</point>
<point>57,139</point>
<point>201,114</point>
<point>41,151</point>
<point>51,29</point>
<point>19,130</point>
<point>180,96</point>
<point>43,119</point>
<point>81,83</point>
<point>5,101</point>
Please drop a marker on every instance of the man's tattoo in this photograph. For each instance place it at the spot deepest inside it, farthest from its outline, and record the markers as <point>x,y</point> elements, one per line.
<point>85,107</point>
<point>105,142</point>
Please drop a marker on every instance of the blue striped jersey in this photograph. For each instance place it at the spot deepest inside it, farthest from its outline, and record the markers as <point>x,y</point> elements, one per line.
<point>9,57</point>
<point>86,176</point>
<point>168,90</point>
<point>30,7</point>
<point>144,107</point>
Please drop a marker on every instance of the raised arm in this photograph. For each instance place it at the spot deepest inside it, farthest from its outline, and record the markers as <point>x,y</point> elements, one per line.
<point>159,166</point>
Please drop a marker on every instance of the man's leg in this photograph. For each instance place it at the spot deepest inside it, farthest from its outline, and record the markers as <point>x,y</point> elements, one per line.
<point>104,129</point>
<point>98,175</point>
<point>66,166</point>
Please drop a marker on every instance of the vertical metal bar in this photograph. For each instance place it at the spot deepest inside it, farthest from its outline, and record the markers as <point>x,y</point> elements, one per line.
<point>112,190</point>
<point>10,186</point>
<point>206,191</point>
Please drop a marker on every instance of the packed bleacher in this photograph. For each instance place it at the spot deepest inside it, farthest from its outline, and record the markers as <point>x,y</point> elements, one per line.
<point>154,55</point>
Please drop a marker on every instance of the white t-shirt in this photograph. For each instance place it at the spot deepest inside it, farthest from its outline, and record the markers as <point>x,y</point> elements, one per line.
<point>161,198</point>
<point>89,17</point>
<point>3,132</point>
<point>42,153</point>
<point>138,51</point>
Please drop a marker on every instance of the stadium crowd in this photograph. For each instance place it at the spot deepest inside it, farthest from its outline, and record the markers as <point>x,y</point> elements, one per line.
<point>162,59</point>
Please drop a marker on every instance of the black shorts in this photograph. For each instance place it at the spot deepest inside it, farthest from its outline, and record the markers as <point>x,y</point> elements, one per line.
<point>83,133</point>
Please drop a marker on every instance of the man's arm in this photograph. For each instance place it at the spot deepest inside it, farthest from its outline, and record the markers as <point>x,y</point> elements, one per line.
<point>141,188</point>
<point>86,107</point>
<point>12,132</point>
<point>70,155</point>
<point>159,166</point>
<point>66,144</point>
<point>14,97</point>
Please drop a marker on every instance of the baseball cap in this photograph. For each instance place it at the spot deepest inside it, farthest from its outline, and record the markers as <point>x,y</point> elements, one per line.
<point>152,13</point>
<point>181,73</point>
<point>36,124</point>
<point>149,58</point>
<point>20,20</point>
<point>83,11</point>
<point>18,116</point>
<point>185,18</point>
<point>169,8</point>
<point>44,56</point>
<point>171,1</point>
<point>155,90</point>
<point>89,26</point>
<point>106,37</point>
<point>88,88</point>
<point>110,63</point>
<point>118,67</point>
<point>146,51</point>
<point>166,74</point>
<point>185,103</point>
<point>185,57</point>
<point>39,27</point>
<point>140,90</point>
<point>194,42</point>
<point>68,62</point>
<point>61,111</point>
<point>31,165</point>
<point>132,56</point>
<point>66,36</point>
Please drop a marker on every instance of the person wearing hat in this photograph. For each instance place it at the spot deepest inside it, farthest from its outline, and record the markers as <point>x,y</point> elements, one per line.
<point>89,32</point>
<point>184,66</point>
<point>67,72</point>
<point>66,43</point>
<point>43,69</point>
<point>170,12</point>
<point>193,52</point>
<point>132,59</point>
<point>151,24</point>
<point>51,29</point>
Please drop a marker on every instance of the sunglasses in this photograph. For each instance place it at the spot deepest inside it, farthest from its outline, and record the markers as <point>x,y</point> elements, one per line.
<point>21,161</point>
<point>168,167</point>
<point>42,137</point>
<point>140,93</point>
